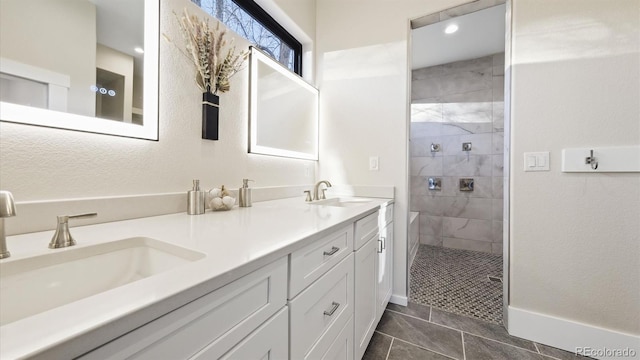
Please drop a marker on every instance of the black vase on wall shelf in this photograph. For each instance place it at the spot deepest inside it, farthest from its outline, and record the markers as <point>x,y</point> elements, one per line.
<point>210,112</point>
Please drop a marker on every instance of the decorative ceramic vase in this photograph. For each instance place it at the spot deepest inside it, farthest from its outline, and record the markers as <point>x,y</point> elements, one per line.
<point>210,112</point>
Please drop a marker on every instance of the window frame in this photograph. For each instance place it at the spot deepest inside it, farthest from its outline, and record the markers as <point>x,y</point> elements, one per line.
<point>258,13</point>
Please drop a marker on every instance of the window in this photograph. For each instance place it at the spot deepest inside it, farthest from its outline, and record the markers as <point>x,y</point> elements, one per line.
<point>250,21</point>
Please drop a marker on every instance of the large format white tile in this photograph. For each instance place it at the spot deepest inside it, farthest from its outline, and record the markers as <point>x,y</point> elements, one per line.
<point>498,187</point>
<point>471,208</point>
<point>498,143</point>
<point>426,112</point>
<point>496,230</point>
<point>426,166</point>
<point>431,240</point>
<point>497,209</point>
<point>429,205</point>
<point>418,185</point>
<point>470,229</point>
<point>498,87</point>
<point>498,165</point>
<point>463,244</point>
<point>430,225</point>
<point>468,165</point>
<point>496,248</point>
<point>498,116</point>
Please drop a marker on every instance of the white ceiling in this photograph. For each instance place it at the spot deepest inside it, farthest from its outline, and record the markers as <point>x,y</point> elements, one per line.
<point>479,34</point>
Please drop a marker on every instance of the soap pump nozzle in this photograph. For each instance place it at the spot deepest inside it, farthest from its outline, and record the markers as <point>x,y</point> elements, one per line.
<point>245,183</point>
<point>196,185</point>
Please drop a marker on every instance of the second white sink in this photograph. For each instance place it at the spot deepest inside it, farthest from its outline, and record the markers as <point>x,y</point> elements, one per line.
<point>33,285</point>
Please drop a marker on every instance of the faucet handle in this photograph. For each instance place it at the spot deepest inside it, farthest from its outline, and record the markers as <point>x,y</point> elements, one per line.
<point>62,237</point>
<point>66,218</point>
<point>308,199</point>
<point>322,194</point>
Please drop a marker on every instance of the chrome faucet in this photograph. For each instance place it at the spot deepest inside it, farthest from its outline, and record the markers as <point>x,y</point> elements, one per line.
<point>7,209</point>
<point>62,236</point>
<point>315,189</point>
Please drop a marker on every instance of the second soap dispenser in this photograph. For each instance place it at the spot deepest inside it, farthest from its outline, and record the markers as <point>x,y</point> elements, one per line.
<point>244,194</point>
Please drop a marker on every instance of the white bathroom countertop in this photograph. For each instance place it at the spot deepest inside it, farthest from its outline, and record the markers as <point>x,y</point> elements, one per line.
<point>235,242</point>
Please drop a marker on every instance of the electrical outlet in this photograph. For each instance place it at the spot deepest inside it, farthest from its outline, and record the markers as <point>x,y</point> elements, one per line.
<point>374,163</point>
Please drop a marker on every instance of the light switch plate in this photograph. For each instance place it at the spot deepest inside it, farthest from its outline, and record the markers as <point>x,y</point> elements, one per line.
<point>374,163</point>
<point>536,161</point>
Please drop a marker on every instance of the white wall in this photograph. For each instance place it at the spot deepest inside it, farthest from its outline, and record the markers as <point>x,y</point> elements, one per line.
<point>363,77</point>
<point>575,237</point>
<point>39,163</point>
<point>57,35</point>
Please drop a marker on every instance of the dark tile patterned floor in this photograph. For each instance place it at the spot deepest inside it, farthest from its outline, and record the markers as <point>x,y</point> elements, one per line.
<point>424,332</point>
<point>457,281</point>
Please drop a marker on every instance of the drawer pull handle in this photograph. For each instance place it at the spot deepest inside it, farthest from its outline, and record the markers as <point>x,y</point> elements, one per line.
<point>333,251</point>
<point>379,246</point>
<point>334,307</point>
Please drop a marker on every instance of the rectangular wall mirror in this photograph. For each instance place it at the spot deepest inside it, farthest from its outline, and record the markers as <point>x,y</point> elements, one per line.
<point>89,65</point>
<point>283,111</point>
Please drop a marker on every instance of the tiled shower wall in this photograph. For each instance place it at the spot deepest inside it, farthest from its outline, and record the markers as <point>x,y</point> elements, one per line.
<point>452,104</point>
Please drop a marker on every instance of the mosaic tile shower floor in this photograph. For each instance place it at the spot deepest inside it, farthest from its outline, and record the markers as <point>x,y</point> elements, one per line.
<point>457,281</point>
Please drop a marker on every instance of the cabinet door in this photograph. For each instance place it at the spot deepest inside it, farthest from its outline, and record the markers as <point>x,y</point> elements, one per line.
<point>384,269</point>
<point>268,342</point>
<point>366,263</point>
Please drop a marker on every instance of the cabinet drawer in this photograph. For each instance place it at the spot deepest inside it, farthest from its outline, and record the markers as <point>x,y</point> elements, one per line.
<point>341,348</point>
<point>386,215</point>
<point>366,228</point>
<point>322,309</point>
<point>217,320</point>
<point>269,341</point>
<point>310,262</point>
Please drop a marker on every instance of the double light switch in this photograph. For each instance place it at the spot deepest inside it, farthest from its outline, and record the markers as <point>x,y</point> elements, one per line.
<point>536,161</point>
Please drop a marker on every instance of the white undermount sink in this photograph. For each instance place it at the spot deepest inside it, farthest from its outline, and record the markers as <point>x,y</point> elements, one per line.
<point>342,202</point>
<point>33,285</point>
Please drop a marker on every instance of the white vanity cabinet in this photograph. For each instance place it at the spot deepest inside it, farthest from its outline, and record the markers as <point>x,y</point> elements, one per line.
<point>385,260</point>
<point>212,325</point>
<point>366,294</point>
<point>373,274</point>
<point>321,301</point>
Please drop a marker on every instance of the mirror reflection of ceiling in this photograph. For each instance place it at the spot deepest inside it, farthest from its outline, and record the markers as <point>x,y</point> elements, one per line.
<point>479,34</point>
<point>119,27</point>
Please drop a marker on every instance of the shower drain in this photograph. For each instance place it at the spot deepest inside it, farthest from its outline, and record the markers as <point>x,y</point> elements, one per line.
<point>494,278</point>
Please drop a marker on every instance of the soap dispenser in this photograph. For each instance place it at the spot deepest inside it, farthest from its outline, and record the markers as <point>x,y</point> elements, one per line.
<point>195,200</point>
<point>244,194</point>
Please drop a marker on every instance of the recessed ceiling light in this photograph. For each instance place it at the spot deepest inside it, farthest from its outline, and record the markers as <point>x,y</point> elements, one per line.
<point>451,29</point>
<point>139,50</point>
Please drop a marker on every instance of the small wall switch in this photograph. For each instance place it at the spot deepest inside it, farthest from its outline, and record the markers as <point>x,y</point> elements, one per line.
<point>536,161</point>
<point>374,163</point>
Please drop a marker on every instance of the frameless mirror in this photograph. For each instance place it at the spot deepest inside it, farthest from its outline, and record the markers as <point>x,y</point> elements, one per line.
<point>283,111</point>
<point>87,65</point>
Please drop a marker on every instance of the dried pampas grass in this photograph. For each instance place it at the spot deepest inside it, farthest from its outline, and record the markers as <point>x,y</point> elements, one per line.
<point>205,48</point>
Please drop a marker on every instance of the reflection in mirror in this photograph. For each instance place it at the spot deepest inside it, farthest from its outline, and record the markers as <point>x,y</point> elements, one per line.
<point>283,111</point>
<point>87,65</point>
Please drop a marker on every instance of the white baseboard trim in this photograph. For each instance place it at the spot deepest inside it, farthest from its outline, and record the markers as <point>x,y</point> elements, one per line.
<point>399,300</point>
<point>573,336</point>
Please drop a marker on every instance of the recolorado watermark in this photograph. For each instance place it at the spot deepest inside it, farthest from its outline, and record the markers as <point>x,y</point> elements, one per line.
<point>605,352</point>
